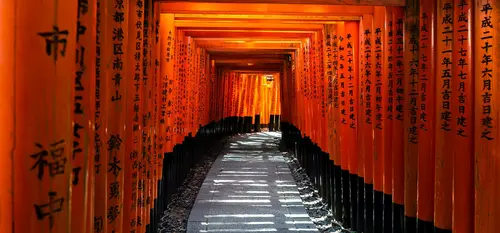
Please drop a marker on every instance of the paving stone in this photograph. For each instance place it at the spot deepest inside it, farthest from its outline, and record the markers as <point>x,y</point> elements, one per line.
<point>250,189</point>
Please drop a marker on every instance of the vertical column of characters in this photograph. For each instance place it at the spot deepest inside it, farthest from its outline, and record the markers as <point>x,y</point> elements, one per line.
<point>319,87</point>
<point>426,113</point>
<point>444,135</point>
<point>342,77</point>
<point>199,88</point>
<point>352,98</point>
<point>295,88</point>
<point>43,62</point>
<point>360,218</point>
<point>486,63</point>
<point>158,88</point>
<point>134,112</point>
<point>81,163</point>
<point>151,86</point>
<point>368,119</point>
<point>142,218</point>
<point>335,102</point>
<point>306,84</point>
<point>398,124</point>
<point>460,216</point>
<point>189,65</point>
<point>321,91</point>
<point>117,35</point>
<point>328,74</point>
<point>379,48</point>
<point>311,75</point>
<point>299,72</point>
<point>343,130</point>
<point>7,33</point>
<point>177,84</point>
<point>411,58</point>
<point>203,102</point>
<point>388,95</point>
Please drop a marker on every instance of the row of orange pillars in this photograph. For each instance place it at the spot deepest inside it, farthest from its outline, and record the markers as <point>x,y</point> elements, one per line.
<point>106,105</point>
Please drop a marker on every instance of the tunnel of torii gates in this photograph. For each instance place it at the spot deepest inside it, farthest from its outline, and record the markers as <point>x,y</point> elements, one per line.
<point>391,106</point>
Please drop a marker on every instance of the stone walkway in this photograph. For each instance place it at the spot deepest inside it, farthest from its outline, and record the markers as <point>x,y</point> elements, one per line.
<point>250,189</point>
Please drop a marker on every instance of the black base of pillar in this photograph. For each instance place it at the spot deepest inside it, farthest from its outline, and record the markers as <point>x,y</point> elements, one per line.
<point>277,122</point>
<point>369,208</point>
<point>339,211</point>
<point>425,226</point>
<point>361,204</point>
<point>398,218</point>
<point>439,230</point>
<point>346,217</point>
<point>387,213</point>
<point>354,200</point>
<point>271,123</point>
<point>378,211</point>
<point>410,225</point>
<point>257,124</point>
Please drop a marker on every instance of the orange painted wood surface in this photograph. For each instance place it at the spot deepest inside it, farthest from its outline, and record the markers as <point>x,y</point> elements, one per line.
<point>486,63</point>
<point>462,102</point>
<point>352,47</point>
<point>135,110</point>
<point>82,153</point>
<point>379,42</point>
<point>388,94</point>
<point>426,111</point>
<point>42,109</point>
<point>444,120</point>
<point>398,136</point>
<point>6,112</point>
<point>411,59</point>
<point>368,79</point>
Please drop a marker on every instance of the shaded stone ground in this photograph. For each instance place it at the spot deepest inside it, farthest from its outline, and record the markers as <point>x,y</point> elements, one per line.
<point>250,189</point>
<point>320,213</point>
<point>175,217</point>
<point>248,186</point>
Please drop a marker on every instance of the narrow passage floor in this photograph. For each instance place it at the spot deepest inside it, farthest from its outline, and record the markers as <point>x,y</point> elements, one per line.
<point>250,189</point>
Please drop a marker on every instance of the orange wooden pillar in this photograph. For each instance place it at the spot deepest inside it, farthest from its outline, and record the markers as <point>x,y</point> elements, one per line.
<point>343,133</point>
<point>411,58</point>
<point>116,33</point>
<point>426,116</point>
<point>328,98</point>
<point>6,112</point>
<point>360,133</point>
<point>337,130</point>
<point>462,102</point>
<point>157,134</point>
<point>379,47</point>
<point>368,117</point>
<point>398,123</point>
<point>82,163</point>
<point>388,94</point>
<point>445,141</point>
<point>167,39</point>
<point>100,122</point>
<point>487,164</point>
<point>352,75</point>
<point>144,184</point>
<point>43,67</point>
<point>134,128</point>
